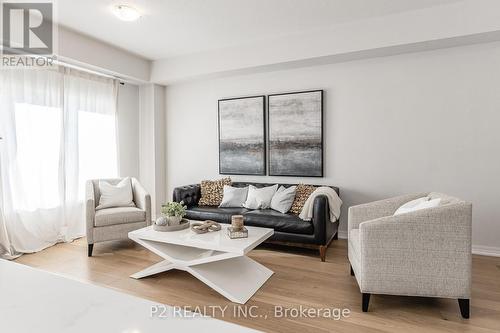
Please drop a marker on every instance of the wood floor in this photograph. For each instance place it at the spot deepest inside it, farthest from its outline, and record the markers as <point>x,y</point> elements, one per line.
<point>300,279</point>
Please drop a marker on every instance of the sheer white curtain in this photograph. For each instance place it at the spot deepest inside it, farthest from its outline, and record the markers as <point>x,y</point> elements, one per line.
<point>58,129</point>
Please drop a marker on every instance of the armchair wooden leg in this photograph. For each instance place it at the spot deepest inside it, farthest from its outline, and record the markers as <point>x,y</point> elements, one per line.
<point>336,236</point>
<point>91,248</point>
<point>352,271</point>
<point>464,305</point>
<point>322,252</point>
<point>366,301</point>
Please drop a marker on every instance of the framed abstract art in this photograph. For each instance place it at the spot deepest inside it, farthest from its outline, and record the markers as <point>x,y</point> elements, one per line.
<point>295,123</point>
<point>242,137</point>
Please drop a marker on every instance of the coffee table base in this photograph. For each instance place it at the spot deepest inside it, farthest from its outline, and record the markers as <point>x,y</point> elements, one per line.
<point>234,276</point>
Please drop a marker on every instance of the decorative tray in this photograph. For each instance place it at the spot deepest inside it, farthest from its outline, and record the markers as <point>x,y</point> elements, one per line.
<point>184,224</point>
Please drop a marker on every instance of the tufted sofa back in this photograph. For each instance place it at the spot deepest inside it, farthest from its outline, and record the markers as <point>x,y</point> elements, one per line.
<point>191,194</point>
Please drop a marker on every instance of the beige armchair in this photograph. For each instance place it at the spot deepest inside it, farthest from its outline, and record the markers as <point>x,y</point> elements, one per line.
<point>115,223</point>
<point>422,253</point>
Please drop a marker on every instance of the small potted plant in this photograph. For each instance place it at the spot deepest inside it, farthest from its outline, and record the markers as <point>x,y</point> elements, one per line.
<point>173,212</point>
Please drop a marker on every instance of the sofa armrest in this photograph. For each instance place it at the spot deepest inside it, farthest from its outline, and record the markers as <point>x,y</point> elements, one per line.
<point>321,216</point>
<point>324,228</point>
<point>89,210</point>
<point>189,194</point>
<point>142,199</point>
<point>430,249</point>
<point>377,209</point>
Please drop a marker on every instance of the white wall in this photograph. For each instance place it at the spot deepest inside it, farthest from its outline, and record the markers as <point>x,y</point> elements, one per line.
<point>128,130</point>
<point>415,122</point>
<point>456,23</point>
<point>152,150</point>
<point>81,50</point>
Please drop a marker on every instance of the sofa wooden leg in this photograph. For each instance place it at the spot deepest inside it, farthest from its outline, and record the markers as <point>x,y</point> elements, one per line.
<point>366,301</point>
<point>322,252</point>
<point>91,248</point>
<point>352,271</point>
<point>464,305</point>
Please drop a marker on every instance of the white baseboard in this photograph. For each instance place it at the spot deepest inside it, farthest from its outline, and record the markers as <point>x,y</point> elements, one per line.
<point>486,250</point>
<point>476,249</point>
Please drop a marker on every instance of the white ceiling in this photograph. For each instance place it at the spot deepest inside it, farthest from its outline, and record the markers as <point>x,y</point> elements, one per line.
<point>171,28</point>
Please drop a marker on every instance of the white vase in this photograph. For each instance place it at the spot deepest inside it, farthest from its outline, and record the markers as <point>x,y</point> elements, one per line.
<point>174,220</point>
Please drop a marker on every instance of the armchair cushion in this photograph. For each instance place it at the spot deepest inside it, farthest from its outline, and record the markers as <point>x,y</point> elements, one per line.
<point>445,198</point>
<point>417,204</point>
<point>118,195</point>
<point>377,209</point>
<point>118,215</point>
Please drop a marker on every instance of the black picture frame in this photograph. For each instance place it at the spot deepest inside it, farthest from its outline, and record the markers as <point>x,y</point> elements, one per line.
<point>244,169</point>
<point>319,170</point>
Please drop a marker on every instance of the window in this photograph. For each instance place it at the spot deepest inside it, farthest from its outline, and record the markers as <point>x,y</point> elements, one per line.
<point>58,127</point>
<point>36,175</point>
<point>97,147</point>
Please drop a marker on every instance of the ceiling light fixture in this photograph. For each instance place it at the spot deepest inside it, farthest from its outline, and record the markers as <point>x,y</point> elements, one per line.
<point>126,13</point>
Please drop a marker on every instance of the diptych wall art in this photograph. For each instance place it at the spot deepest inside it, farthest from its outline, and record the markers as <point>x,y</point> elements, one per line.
<point>242,147</point>
<point>296,134</point>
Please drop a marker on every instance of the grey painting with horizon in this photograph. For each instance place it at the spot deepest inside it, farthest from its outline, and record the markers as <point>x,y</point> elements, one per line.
<point>241,136</point>
<point>295,134</point>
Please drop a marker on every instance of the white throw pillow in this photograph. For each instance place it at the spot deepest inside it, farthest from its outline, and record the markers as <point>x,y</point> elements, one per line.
<point>234,196</point>
<point>119,195</point>
<point>283,199</point>
<point>418,204</point>
<point>260,198</point>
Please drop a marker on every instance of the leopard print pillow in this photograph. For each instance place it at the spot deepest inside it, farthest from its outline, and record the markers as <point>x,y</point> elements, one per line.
<point>212,191</point>
<point>301,195</point>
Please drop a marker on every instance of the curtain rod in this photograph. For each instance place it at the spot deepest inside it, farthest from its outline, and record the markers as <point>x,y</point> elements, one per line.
<point>88,70</point>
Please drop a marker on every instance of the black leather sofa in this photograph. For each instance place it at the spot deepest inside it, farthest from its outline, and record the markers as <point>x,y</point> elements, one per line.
<point>289,229</point>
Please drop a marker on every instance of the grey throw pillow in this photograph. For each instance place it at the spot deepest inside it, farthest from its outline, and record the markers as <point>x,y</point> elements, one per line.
<point>260,198</point>
<point>234,196</point>
<point>283,199</point>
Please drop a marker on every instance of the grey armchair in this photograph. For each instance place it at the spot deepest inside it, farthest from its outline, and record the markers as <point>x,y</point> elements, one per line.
<point>115,223</point>
<point>422,253</point>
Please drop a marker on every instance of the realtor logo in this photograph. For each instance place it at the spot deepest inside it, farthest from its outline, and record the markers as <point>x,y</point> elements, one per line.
<point>27,28</point>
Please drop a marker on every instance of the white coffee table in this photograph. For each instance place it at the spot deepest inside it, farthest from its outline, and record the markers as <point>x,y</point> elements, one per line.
<point>213,258</point>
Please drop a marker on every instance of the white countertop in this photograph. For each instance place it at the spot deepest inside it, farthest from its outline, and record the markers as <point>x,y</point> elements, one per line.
<point>32,300</point>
